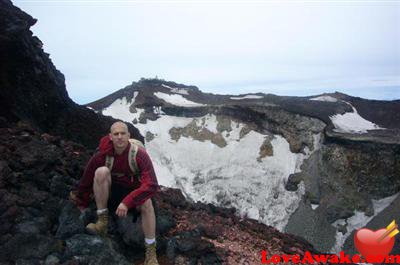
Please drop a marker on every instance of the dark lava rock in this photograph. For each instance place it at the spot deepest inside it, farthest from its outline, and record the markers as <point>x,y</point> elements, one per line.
<point>190,243</point>
<point>3,122</point>
<point>93,250</point>
<point>309,224</point>
<point>28,246</point>
<point>69,222</point>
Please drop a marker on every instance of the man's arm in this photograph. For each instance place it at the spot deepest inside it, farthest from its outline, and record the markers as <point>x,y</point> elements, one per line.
<point>149,185</point>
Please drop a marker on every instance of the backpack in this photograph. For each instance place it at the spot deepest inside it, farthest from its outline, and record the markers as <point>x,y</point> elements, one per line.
<point>135,145</point>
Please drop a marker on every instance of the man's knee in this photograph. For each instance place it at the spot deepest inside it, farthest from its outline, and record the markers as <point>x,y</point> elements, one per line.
<point>101,175</point>
<point>146,207</point>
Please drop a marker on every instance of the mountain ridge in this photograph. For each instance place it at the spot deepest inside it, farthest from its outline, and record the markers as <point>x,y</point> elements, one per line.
<point>383,113</point>
<point>321,149</point>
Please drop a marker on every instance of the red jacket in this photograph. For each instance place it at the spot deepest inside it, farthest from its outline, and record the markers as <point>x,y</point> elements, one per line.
<point>121,174</point>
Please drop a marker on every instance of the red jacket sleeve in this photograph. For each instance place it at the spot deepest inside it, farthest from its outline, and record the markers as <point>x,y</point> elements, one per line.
<point>148,181</point>
<point>85,186</point>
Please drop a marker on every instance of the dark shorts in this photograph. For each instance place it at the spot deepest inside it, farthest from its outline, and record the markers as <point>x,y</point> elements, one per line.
<point>118,193</point>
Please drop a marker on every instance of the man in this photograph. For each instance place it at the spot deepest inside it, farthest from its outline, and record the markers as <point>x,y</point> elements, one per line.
<point>118,189</point>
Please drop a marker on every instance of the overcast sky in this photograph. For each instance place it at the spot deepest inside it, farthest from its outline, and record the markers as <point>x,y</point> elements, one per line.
<point>224,47</point>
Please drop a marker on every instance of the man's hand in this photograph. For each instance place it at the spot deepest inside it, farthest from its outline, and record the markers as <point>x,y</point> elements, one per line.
<point>122,210</point>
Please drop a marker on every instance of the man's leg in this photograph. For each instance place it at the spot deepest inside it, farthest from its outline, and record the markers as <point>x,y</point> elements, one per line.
<point>101,190</point>
<point>101,187</point>
<point>149,229</point>
<point>148,219</point>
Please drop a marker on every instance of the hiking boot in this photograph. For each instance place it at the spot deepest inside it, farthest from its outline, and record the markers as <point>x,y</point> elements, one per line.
<point>100,227</point>
<point>151,254</point>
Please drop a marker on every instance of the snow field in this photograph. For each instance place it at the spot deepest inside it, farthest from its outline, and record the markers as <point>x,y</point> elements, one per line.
<point>230,176</point>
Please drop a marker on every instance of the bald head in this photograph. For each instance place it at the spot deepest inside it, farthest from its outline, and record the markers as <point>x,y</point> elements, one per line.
<point>119,124</point>
<point>119,135</point>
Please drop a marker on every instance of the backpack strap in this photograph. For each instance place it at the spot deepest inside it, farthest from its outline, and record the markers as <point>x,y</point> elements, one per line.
<point>135,145</point>
<point>109,162</point>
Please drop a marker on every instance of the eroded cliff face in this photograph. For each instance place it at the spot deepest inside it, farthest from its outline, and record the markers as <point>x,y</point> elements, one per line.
<point>298,130</point>
<point>341,180</point>
<point>33,90</point>
<point>355,173</point>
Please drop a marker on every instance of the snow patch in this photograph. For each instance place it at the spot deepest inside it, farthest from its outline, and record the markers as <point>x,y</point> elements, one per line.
<point>359,220</point>
<point>134,96</point>
<point>166,86</point>
<point>177,90</point>
<point>247,97</point>
<point>232,177</point>
<point>352,122</point>
<point>119,109</point>
<point>317,143</point>
<point>253,213</point>
<point>91,109</point>
<point>158,110</point>
<point>314,206</point>
<point>325,98</point>
<point>177,100</point>
<point>210,123</point>
<point>180,91</point>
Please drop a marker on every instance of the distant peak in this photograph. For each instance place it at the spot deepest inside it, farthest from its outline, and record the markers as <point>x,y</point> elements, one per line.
<point>158,82</point>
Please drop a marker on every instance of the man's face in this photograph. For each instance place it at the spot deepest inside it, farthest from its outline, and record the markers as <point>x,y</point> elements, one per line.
<point>119,136</point>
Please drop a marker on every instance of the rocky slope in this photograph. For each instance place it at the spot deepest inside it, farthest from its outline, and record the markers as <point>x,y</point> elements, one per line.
<point>33,90</point>
<point>305,165</point>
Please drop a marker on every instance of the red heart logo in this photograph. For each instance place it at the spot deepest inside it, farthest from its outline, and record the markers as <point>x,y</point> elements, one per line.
<point>367,242</point>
